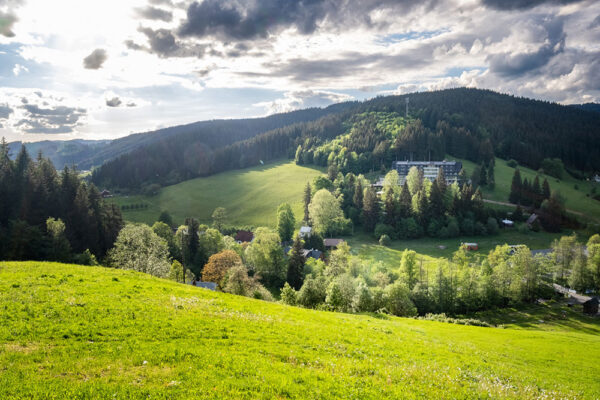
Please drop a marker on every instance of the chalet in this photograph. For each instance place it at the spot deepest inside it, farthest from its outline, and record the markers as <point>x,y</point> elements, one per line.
<point>470,246</point>
<point>244,236</point>
<point>332,243</point>
<point>105,194</point>
<point>305,232</point>
<point>591,306</point>
<point>311,253</point>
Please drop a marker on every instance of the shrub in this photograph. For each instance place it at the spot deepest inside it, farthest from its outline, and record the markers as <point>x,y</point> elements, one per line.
<point>492,226</point>
<point>383,229</point>
<point>288,295</point>
<point>398,302</point>
<point>385,240</point>
<point>512,163</point>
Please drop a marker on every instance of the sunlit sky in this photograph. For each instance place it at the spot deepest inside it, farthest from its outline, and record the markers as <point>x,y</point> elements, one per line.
<point>97,69</point>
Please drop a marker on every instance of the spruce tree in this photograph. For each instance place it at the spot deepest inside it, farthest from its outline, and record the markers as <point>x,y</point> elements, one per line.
<point>546,190</point>
<point>390,207</point>
<point>436,201</point>
<point>483,175</point>
<point>357,199</point>
<point>307,198</point>
<point>405,203</point>
<point>370,209</point>
<point>515,188</point>
<point>536,192</point>
<point>491,179</point>
<point>440,181</point>
<point>295,271</point>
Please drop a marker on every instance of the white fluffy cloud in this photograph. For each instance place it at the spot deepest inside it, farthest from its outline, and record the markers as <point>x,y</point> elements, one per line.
<point>182,61</point>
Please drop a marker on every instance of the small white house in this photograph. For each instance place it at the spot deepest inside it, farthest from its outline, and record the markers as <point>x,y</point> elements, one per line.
<point>305,232</point>
<point>508,222</point>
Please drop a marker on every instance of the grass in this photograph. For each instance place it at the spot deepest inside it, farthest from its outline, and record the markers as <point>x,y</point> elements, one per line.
<point>251,196</point>
<point>575,199</point>
<point>78,332</point>
<point>369,250</point>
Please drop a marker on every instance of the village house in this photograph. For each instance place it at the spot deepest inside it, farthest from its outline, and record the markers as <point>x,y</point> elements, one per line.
<point>332,243</point>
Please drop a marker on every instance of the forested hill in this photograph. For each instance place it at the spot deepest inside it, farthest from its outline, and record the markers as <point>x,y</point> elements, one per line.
<point>359,137</point>
<point>86,154</point>
<point>594,107</point>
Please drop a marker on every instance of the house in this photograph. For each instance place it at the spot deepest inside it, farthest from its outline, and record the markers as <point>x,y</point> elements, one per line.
<point>508,223</point>
<point>332,243</point>
<point>312,253</point>
<point>532,218</point>
<point>596,178</point>
<point>305,232</point>
<point>105,194</point>
<point>470,246</point>
<point>591,306</point>
<point>244,236</point>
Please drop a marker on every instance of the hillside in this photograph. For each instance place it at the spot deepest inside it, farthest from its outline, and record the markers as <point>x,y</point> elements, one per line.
<point>69,331</point>
<point>251,196</point>
<point>359,137</point>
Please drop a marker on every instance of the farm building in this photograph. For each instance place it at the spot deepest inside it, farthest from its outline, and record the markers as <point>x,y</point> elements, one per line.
<point>244,236</point>
<point>332,243</point>
<point>532,218</point>
<point>591,306</point>
<point>470,246</point>
<point>305,232</point>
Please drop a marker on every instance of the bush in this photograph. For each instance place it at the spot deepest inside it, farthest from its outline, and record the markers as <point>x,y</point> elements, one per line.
<point>453,228</point>
<point>398,302</point>
<point>460,321</point>
<point>385,240</point>
<point>288,295</point>
<point>512,163</point>
<point>492,226</point>
<point>523,228</point>
<point>383,229</point>
<point>553,167</point>
<point>467,226</point>
<point>312,292</point>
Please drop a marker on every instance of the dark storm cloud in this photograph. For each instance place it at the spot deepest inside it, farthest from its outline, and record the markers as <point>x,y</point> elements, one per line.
<point>59,119</point>
<point>5,111</point>
<point>516,64</point>
<point>257,19</point>
<point>95,59</point>
<point>596,22</point>
<point>155,13</point>
<point>114,102</point>
<point>163,43</point>
<point>524,4</point>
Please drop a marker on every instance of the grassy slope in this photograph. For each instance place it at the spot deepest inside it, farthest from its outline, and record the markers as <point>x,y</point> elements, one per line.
<point>85,332</point>
<point>251,196</point>
<point>576,199</point>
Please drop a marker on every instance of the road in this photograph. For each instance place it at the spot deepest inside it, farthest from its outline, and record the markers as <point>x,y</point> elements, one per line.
<point>504,203</point>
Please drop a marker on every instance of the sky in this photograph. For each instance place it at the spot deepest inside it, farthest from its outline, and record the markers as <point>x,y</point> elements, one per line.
<point>102,69</point>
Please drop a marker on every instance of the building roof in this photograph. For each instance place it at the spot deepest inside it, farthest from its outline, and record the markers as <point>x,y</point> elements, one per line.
<point>305,229</point>
<point>244,236</point>
<point>204,285</point>
<point>332,242</point>
<point>532,219</point>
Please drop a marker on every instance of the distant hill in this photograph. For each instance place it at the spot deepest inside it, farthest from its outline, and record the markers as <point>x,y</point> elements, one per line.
<point>86,154</point>
<point>361,137</point>
<point>69,331</point>
<point>594,107</point>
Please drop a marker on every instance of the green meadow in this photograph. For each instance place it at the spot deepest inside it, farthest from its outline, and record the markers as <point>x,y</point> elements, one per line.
<point>577,193</point>
<point>251,196</point>
<point>76,332</point>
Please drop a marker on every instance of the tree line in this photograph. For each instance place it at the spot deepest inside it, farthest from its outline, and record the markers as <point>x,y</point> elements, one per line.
<point>46,215</point>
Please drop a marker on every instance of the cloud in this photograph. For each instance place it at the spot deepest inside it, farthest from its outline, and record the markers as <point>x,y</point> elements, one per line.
<point>51,120</point>
<point>303,99</point>
<point>229,19</point>
<point>595,23</point>
<point>95,59</point>
<point>5,111</point>
<point>524,4</point>
<point>551,39</point>
<point>18,69</point>
<point>154,13</point>
<point>7,20</point>
<point>114,102</point>
<point>164,44</point>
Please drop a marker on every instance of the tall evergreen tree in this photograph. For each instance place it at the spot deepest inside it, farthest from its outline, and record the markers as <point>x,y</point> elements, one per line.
<point>370,212</point>
<point>405,202</point>
<point>357,199</point>
<point>307,198</point>
<point>546,189</point>
<point>536,192</point>
<point>483,175</point>
<point>390,206</point>
<point>515,188</point>
<point>295,271</point>
<point>436,201</point>
<point>440,181</point>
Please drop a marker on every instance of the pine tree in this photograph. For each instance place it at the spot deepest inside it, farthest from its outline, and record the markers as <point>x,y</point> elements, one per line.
<point>515,188</point>
<point>440,181</point>
<point>436,201</point>
<point>536,192</point>
<point>390,207</point>
<point>405,203</point>
<point>307,198</point>
<point>295,271</point>
<point>546,190</point>
<point>370,209</point>
<point>491,179</point>
<point>358,195</point>
<point>483,175</point>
